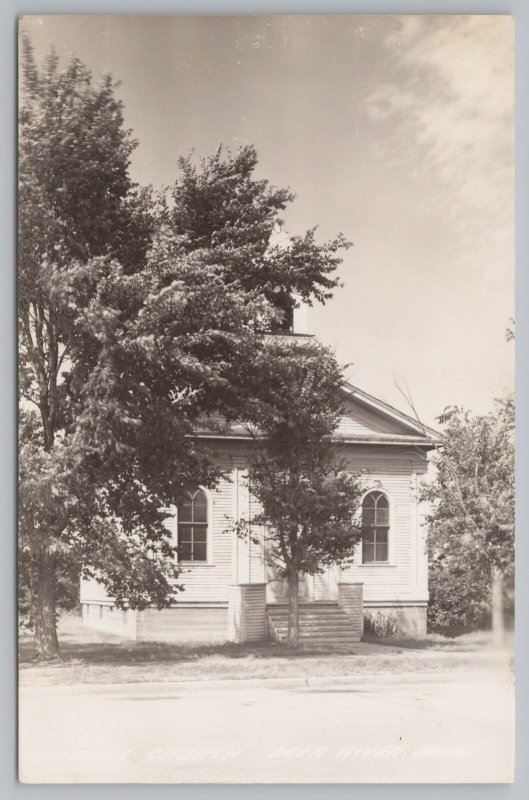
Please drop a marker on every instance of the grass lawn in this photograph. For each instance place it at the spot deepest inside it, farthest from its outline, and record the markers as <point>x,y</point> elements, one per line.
<point>89,656</point>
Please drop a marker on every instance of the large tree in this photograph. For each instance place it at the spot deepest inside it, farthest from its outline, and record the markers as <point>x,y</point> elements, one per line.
<point>471,524</point>
<point>308,498</point>
<point>221,208</point>
<point>136,318</point>
<point>76,202</point>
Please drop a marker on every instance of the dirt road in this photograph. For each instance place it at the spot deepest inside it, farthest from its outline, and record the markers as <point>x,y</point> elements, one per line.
<point>449,727</point>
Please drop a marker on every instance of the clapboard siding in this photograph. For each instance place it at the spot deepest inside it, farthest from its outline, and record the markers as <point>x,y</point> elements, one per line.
<point>93,592</point>
<point>247,612</point>
<point>208,582</point>
<point>360,420</point>
<point>233,560</point>
<point>396,472</point>
<point>255,612</point>
<point>350,598</point>
<point>257,564</point>
<point>206,624</point>
<point>108,618</point>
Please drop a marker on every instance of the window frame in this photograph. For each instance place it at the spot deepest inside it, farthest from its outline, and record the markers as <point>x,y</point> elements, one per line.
<point>208,561</point>
<point>388,527</point>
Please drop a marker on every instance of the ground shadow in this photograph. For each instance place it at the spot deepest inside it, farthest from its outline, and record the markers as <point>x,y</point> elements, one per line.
<point>143,653</point>
<point>84,646</point>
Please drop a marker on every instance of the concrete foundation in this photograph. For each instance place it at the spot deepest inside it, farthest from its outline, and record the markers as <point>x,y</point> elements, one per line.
<point>106,617</point>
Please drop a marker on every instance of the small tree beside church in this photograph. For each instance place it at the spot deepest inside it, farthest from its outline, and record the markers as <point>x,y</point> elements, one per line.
<point>308,501</point>
<point>471,525</point>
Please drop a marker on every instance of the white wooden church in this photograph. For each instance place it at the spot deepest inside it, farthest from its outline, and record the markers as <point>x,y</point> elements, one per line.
<point>230,594</point>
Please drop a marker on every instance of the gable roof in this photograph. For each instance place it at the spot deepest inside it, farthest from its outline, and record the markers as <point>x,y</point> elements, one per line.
<point>366,420</point>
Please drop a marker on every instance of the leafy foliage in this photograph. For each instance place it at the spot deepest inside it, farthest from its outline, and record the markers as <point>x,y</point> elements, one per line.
<point>137,317</point>
<point>225,211</point>
<point>308,498</point>
<point>459,599</point>
<point>381,626</point>
<point>471,526</point>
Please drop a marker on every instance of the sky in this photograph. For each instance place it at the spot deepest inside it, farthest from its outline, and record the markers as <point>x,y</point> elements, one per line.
<point>397,131</point>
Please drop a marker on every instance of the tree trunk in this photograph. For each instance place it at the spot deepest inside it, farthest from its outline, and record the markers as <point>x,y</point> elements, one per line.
<point>498,627</point>
<point>293,609</point>
<point>46,642</point>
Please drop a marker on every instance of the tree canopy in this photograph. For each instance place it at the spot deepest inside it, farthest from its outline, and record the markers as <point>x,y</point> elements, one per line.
<point>220,207</point>
<point>137,316</point>
<point>308,497</point>
<point>471,524</point>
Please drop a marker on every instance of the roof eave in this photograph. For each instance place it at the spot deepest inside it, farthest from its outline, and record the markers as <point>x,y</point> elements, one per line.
<point>422,443</point>
<point>427,433</point>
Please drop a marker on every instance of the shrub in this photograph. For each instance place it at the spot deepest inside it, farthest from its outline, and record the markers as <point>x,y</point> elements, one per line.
<point>383,626</point>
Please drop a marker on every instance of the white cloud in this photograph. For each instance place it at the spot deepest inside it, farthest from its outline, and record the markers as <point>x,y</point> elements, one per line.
<point>449,113</point>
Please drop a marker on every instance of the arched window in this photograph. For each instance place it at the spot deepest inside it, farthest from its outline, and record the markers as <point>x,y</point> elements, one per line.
<point>375,528</point>
<point>193,527</point>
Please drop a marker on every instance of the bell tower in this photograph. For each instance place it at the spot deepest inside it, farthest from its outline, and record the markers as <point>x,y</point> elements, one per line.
<point>295,319</point>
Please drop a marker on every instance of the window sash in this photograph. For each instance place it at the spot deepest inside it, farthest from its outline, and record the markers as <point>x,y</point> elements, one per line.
<point>195,508</point>
<point>375,544</point>
<point>192,541</point>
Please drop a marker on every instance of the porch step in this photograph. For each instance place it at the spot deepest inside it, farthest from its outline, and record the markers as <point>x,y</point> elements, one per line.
<point>315,632</point>
<point>319,623</point>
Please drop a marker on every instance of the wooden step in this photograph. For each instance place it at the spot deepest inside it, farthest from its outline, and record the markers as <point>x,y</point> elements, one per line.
<point>351,639</point>
<point>309,617</point>
<point>324,617</point>
<point>316,628</point>
<point>315,606</point>
<point>320,623</point>
<point>324,613</point>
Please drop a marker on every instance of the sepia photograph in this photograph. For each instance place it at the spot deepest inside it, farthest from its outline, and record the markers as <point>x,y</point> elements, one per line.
<point>266,341</point>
